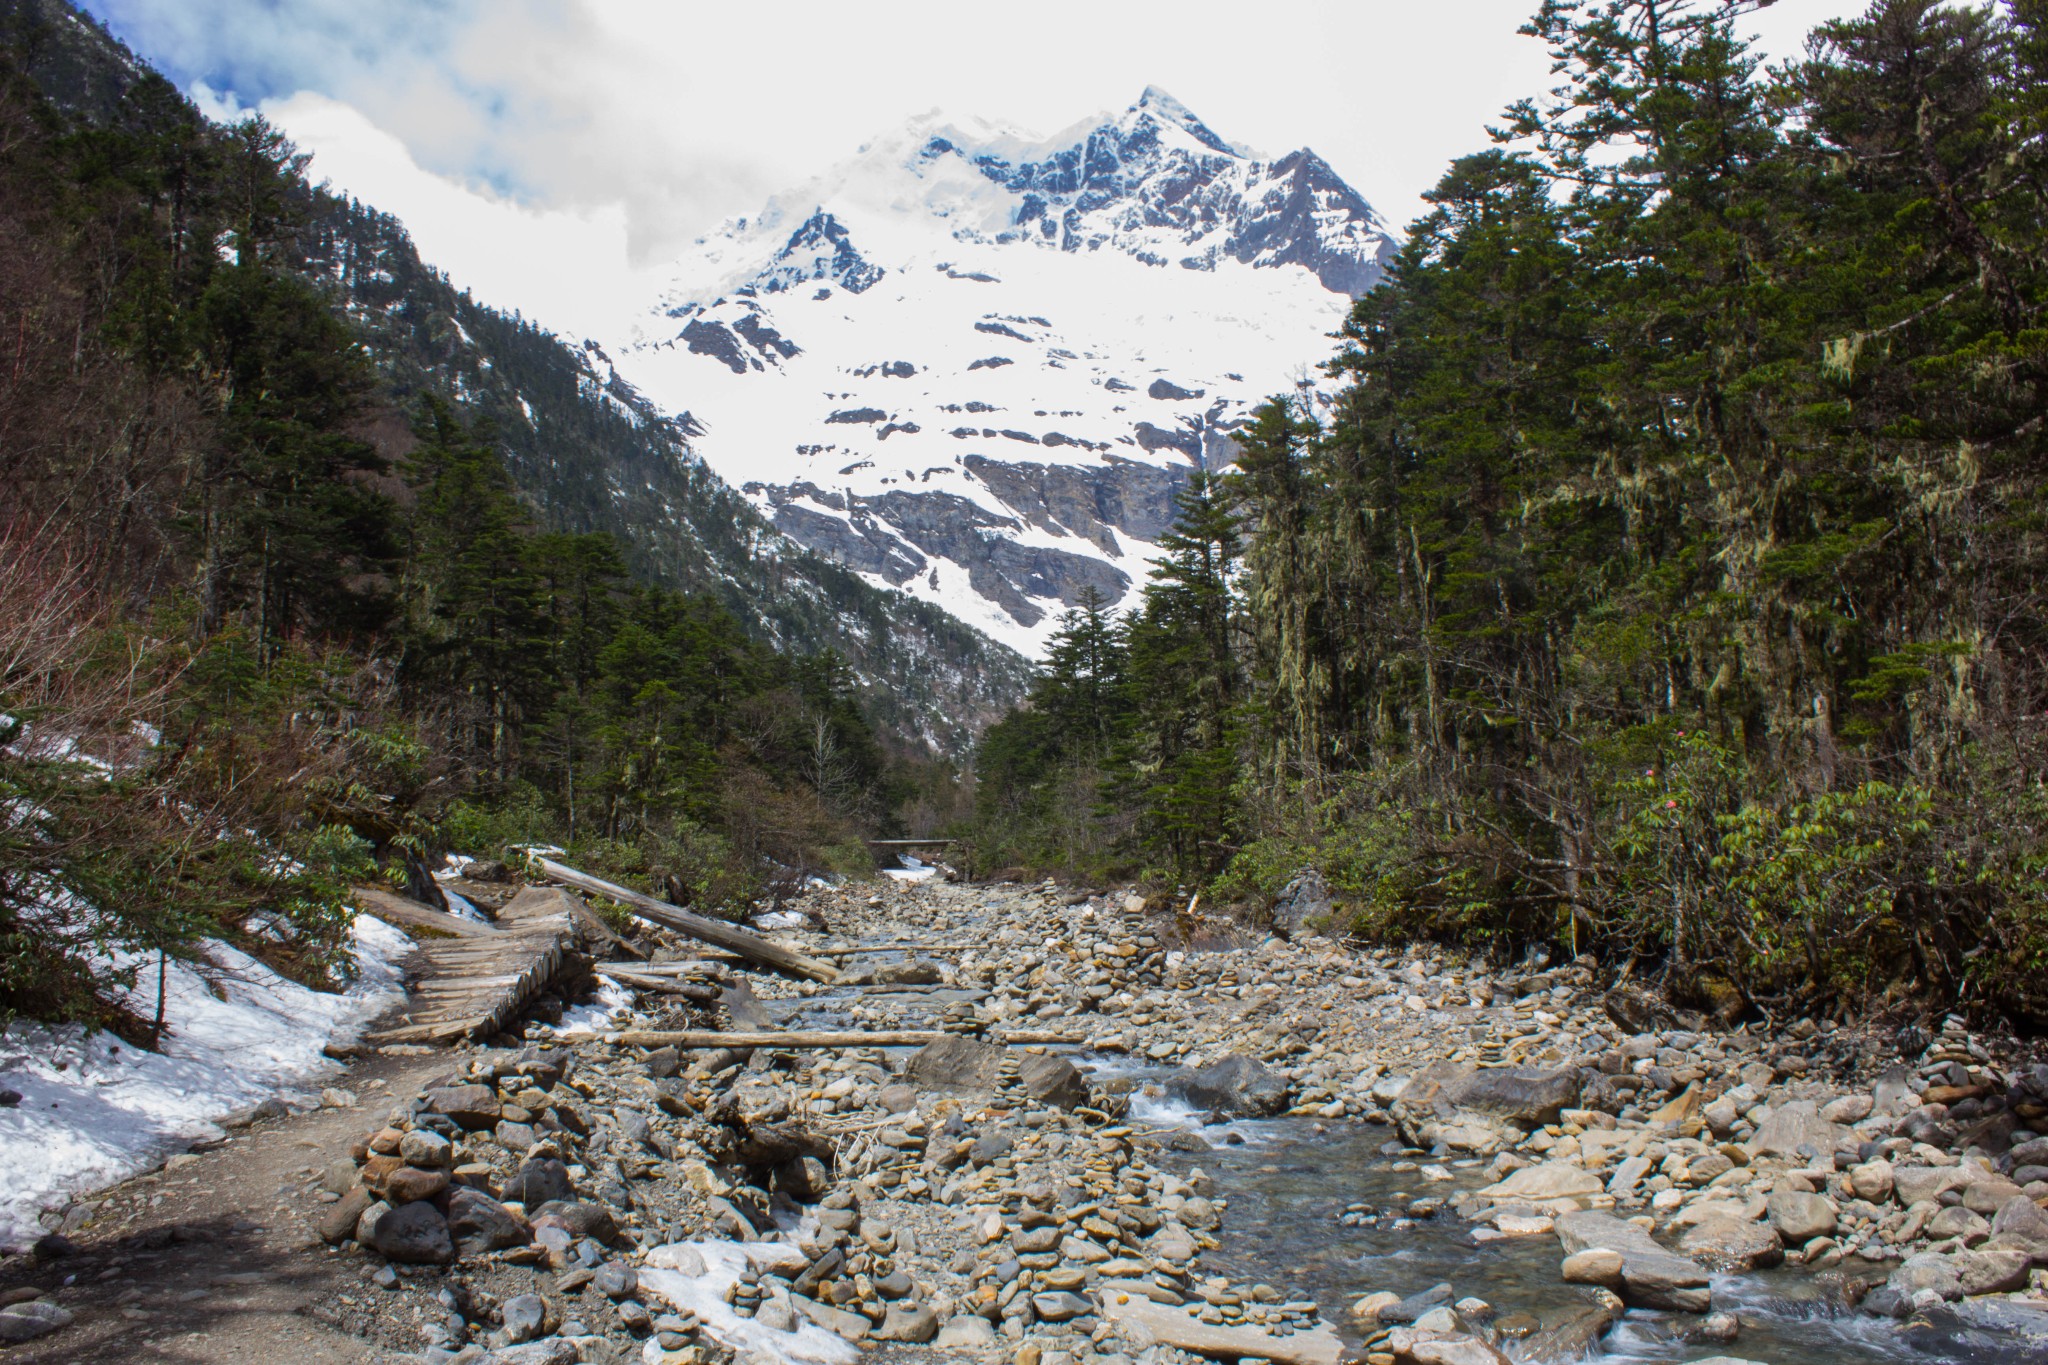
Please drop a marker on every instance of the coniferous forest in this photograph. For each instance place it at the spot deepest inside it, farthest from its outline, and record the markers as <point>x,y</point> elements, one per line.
<point>1664,579</point>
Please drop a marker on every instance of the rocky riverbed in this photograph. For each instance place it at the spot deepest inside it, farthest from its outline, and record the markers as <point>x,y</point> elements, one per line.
<point>1077,1168</point>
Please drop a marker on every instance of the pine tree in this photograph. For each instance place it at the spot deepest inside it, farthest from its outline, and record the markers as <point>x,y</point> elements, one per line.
<point>1082,690</point>
<point>1184,684</point>
<point>477,626</point>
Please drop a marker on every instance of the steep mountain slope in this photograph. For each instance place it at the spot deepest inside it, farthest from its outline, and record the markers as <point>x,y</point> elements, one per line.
<point>69,55</point>
<point>978,366</point>
<point>588,451</point>
<point>593,455</point>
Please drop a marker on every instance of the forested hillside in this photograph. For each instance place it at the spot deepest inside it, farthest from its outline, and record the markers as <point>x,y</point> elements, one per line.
<point>306,574</point>
<point>1667,583</point>
<point>591,454</point>
<point>585,450</point>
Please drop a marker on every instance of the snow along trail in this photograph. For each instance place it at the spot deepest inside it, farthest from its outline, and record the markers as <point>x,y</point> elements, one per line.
<point>94,1110</point>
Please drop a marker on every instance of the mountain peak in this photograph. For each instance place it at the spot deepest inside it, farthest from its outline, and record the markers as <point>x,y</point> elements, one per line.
<point>1162,105</point>
<point>978,364</point>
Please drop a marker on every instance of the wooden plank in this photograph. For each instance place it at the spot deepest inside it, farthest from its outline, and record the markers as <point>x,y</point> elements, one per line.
<point>457,989</point>
<point>498,946</point>
<point>515,949</point>
<point>411,914</point>
<point>814,1038</point>
<point>701,991</point>
<point>896,948</point>
<point>728,936</point>
<point>711,1038</point>
<point>430,1032</point>
<point>540,904</point>
<point>716,971</point>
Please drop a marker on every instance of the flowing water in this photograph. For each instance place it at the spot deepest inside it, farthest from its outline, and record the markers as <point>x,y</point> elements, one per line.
<point>1291,1181</point>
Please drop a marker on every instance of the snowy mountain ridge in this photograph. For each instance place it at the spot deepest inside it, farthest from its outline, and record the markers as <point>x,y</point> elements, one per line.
<point>978,365</point>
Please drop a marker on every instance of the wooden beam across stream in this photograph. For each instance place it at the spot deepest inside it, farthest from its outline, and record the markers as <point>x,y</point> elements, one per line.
<point>730,937</point>
<point>819,1038</point>
<point>896,948</point>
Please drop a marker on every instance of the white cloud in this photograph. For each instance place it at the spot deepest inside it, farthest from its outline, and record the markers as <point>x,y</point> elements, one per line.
<point>566,267</point>
<point>502,130</point>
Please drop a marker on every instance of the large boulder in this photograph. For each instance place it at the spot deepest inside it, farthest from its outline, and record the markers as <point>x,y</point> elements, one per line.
<point>1636,1010</point>
<point>1052,1080</point>
<point>1872,1181</point>
<point>1917,1184</point>
<point>1574,1333</point>
<point>1143,1324</point>
<point>472,1106</point>
<point>909,1322</point>
<point>1304,904</point>
<point>581,1217</point>
<point>480,1224</point>
<point>538,1181</point>
<point>1544,1184</point>
<point>956,1065</point>
<point>1526,1096</point>
<point>1799,1218</point>
<point>1732,1244</point>
<point>1595,1265</point>
<point>1453,1094</point>
<point>1236,1085</point>
<point>1960,1274</point>
<point>412,1234</point>
<point>2021,1218</point>
<point>1651,1277</point>
<point>1741,1208</point>
<point>26,1321</point>
<point>1418,1346</point>
<point>1992,1272</point>
<point>1797,1130</point>
<point>337,1222</point>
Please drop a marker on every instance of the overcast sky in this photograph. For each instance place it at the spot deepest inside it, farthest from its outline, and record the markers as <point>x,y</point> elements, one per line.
<point>552,154</point>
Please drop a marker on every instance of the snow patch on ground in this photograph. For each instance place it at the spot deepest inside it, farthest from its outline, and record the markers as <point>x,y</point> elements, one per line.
<point>95,1111</point>
<point>667,1275</point>
<point>459,904</point>
<point>913,870</point>
<point>610,1006</point>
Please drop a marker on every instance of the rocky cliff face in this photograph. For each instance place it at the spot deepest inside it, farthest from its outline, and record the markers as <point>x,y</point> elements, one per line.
<point>978,366</point>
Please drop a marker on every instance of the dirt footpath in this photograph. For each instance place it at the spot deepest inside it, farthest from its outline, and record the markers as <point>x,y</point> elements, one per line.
<point>213,1258</point>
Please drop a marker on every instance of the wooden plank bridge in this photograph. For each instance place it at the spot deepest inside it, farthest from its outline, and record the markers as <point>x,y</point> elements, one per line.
<point>472,979</point>
<point>476,978</point>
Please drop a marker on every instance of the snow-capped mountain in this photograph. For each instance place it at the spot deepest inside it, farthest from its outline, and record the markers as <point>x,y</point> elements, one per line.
<point>978,366</point>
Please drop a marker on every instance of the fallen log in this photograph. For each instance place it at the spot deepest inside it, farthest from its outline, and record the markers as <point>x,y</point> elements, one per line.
<point>701,1038</point>
<point>716,970</point>
<point>701,992</point>
<point>819,1038</point>
<point>406,913</point>
<point>728,936</point>
<point>895,948</point>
